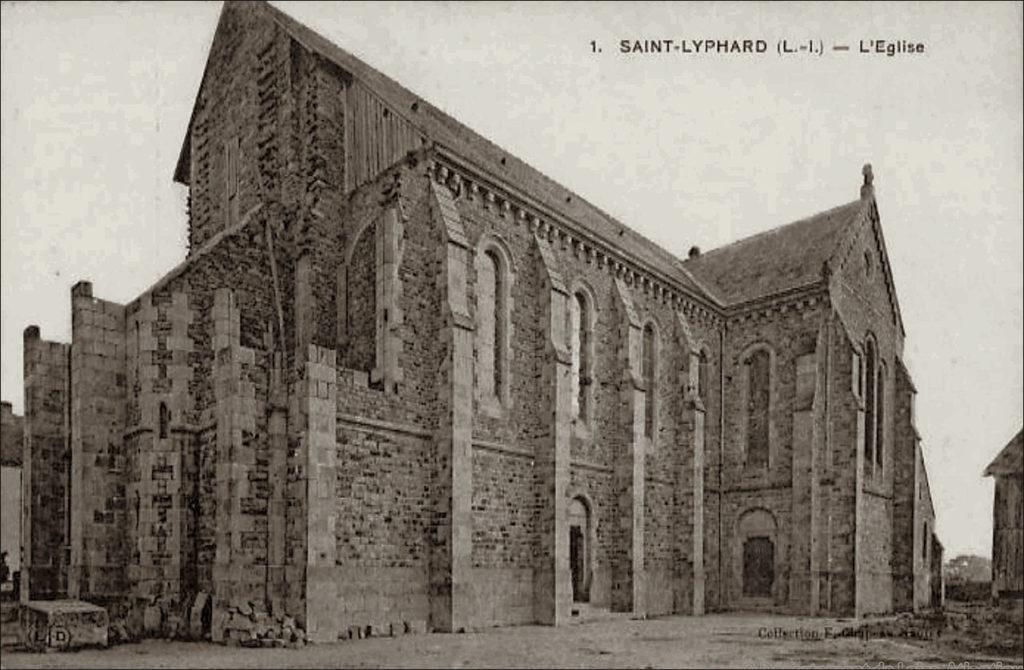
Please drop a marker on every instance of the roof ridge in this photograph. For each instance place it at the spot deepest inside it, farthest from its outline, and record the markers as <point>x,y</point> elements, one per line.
<point>649,252</point>
<point>775,230</point>
<point>1002,463</point>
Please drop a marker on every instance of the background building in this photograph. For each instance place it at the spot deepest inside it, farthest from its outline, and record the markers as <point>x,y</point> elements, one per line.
<point>1007,525</point>
<point>10,486</point>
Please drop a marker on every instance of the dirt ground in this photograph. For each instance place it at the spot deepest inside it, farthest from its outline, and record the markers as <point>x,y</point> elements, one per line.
<point>716,641</point>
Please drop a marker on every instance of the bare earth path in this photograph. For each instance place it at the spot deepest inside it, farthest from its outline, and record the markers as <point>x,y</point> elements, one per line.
<point>711,641</point>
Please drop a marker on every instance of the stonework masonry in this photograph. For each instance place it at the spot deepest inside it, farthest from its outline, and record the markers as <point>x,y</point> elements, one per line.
<point>362,401</point>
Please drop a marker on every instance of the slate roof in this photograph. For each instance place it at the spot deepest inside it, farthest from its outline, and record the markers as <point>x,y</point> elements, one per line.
<point>775,261</point>
<point>505,167</point>
<point>781,259</point>
<point>1010,460</point>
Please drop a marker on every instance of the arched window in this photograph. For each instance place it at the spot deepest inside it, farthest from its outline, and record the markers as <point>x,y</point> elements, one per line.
<point>165,419</point>
<point>702,375</point>
<point>579,343</point>
<point>492,313</point>
<point>499,321</point>
<point>758,370</point>
<point>361,302</point>
<point>649,371</point>
<point>869,402</point>
<point>880,417</point>
<point>488,316</point>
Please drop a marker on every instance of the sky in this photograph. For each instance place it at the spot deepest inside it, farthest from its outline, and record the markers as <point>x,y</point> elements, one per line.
<point>686,149</point>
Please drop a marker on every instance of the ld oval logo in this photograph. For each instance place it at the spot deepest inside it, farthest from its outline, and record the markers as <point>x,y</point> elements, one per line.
<point>57,636</point>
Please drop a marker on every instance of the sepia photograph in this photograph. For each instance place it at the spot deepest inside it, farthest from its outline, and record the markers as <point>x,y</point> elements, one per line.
<point>511,334</point>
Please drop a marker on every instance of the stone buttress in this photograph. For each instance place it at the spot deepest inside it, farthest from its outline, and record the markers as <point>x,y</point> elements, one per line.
<point>552,590</point>
<point>628,555</point>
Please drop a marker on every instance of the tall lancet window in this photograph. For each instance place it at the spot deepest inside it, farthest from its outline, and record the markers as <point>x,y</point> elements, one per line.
<point>494,277</point>
<point>579,342</point>
<point>498,338</point>
<point>758,406</point>
<point>870,388</point>
<point>488,377</point>
<point>880,417</point>
<point>492,339</point>
<point>702,375</point>
<point>649,370</point>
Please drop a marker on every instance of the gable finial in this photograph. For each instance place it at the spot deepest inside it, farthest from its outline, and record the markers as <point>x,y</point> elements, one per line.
<point>867,190</point>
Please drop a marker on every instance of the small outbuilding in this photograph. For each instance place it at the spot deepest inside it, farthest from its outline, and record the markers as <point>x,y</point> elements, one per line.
<point>1008,527</point>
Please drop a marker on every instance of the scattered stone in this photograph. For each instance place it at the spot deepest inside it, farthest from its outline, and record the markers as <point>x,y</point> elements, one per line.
<point>173,626</point>
<point>152,619</point>
<point>218,622</point>
<point>118,633</point>
<point>195,617</point>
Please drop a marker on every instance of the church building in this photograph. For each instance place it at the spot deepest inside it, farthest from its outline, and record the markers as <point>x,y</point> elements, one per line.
<point>403,381</point>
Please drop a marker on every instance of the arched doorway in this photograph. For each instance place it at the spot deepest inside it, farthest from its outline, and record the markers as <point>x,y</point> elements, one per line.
<point>579,549</point>
<point>758,567</point>
<point>755,559</point>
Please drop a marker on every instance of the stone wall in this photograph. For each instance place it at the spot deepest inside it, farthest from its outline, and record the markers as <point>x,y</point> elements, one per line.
<point>843,489</point>
<point>924,528</point>
<point>382,515</point>
<point>210,498</point>
<point>47,462</point>
<point>865,301</point>
<point>99,541</point>
<point>243,99</point>
<point>788,331</point>
<point>905,505</point>
<point>664,522</point>
<point>874,571</point>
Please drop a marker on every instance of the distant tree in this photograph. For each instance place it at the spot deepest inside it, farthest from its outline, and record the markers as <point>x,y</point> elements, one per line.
<point>968,568</point>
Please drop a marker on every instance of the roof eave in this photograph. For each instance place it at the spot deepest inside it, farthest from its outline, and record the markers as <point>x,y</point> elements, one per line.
<point>754,303</point>
<point>705,299</point>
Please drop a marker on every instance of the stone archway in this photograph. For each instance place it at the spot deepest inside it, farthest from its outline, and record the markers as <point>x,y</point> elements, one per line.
<point>756,559</point>
<point>580,549</point>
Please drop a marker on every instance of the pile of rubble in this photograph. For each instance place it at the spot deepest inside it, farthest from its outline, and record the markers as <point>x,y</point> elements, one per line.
<point>249,624</point>
<point>394,629</point>
<point>985,628</point>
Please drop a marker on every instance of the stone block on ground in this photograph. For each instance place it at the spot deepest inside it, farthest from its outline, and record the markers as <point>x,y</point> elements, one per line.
<point>195,617</point>
<point>218,623</point>
<point>53,625</point>
<point>173,626</point>
<point>152,619</point>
